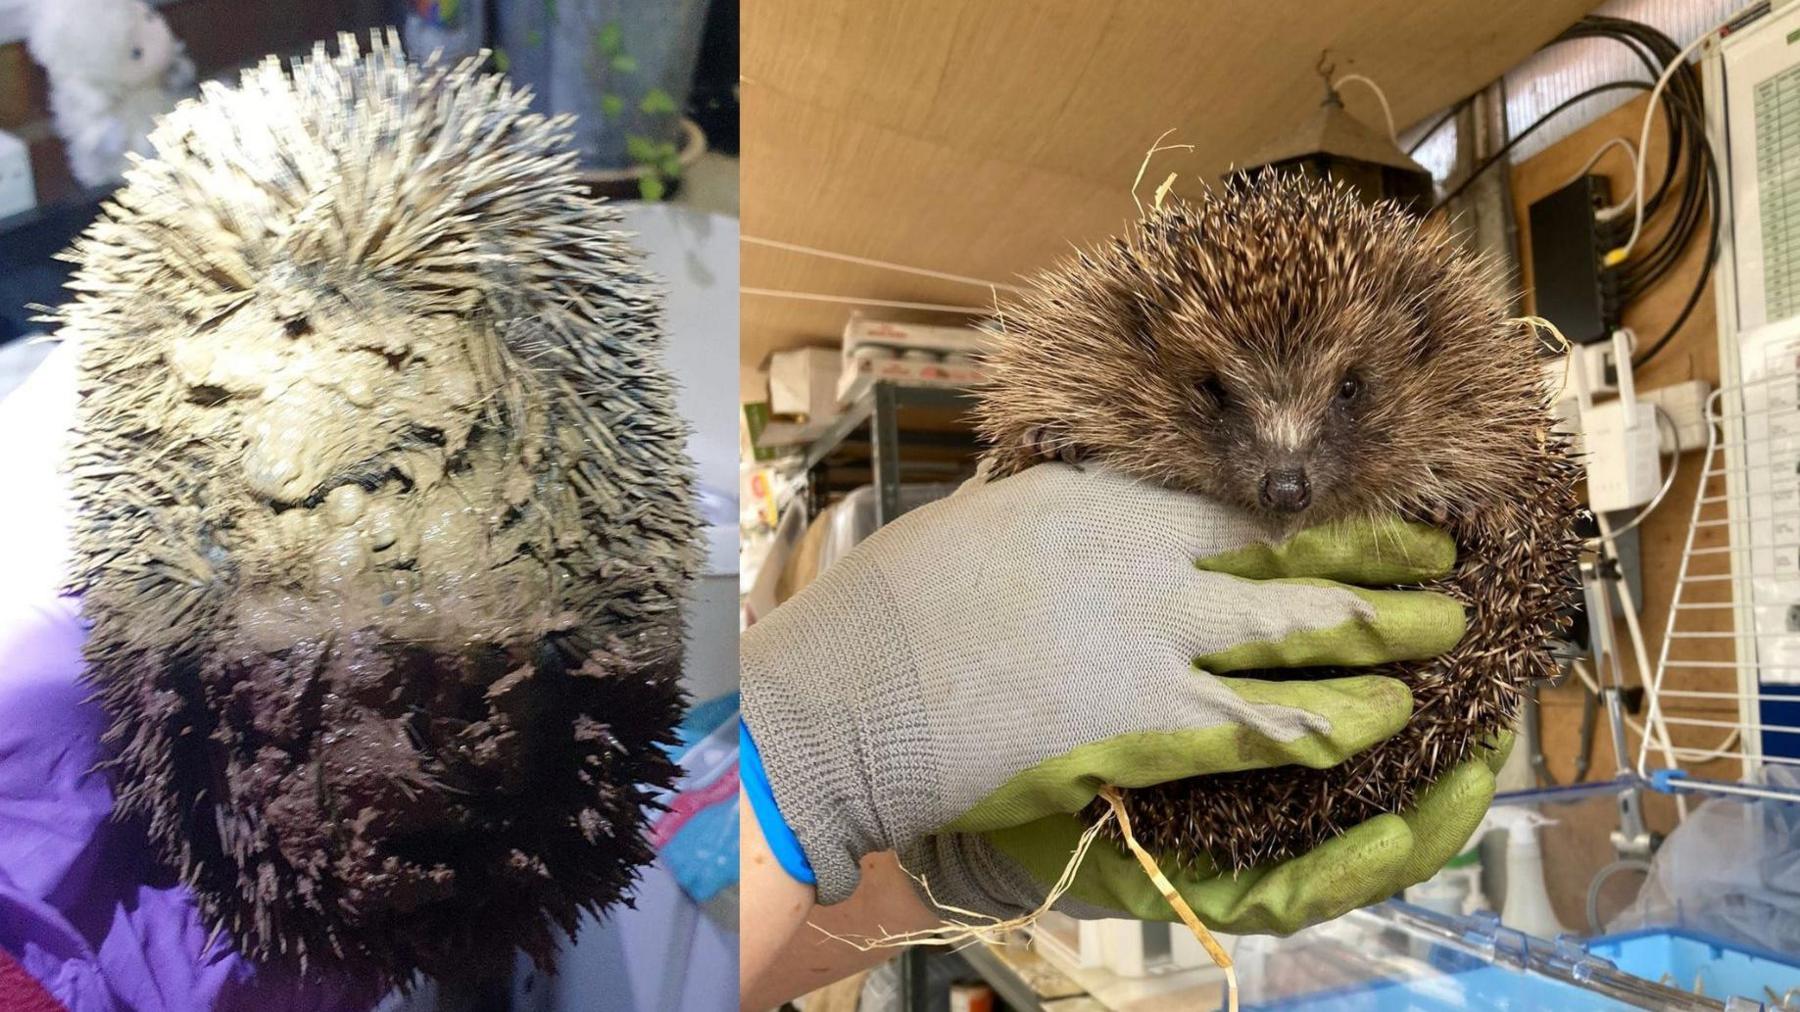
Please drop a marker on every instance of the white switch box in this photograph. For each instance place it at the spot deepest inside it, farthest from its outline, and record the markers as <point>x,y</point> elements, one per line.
<point>1686,405</point>
<point>17,191</point>
<point>1624,471</point>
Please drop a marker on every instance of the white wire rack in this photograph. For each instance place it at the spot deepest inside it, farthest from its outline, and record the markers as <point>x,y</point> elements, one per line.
<point>1724,700</point>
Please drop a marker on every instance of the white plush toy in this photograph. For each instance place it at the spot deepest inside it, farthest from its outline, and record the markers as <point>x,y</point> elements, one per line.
<point>114,66</point>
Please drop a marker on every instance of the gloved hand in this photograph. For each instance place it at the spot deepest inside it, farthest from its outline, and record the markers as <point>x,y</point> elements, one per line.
<point>84,908</point>
<point>992,660</point>
<point>1369,862</point>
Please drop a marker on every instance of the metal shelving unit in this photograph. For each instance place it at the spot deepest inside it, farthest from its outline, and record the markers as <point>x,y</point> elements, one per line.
<point>879,410</point>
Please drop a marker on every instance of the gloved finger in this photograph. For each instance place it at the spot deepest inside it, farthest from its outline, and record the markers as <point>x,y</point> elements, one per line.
<point>1379,627</point>
<point>1317,723</point>
<point>1444,818</point>
<point>1344,873</point>
<point>1368,863</point>
<point>1499,752</point>
<point>1342,716</point>
<point>1365,552</point>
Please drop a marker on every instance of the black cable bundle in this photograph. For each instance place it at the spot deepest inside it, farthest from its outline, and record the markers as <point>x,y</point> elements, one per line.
<point>1690,177</point>
<point>1690,159</point>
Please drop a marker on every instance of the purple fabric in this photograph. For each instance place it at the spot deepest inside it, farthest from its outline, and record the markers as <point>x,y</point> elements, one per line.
<point>84,907</point>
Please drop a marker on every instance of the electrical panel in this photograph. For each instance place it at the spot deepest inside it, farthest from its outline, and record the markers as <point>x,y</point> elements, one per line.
<point>1572,287</point>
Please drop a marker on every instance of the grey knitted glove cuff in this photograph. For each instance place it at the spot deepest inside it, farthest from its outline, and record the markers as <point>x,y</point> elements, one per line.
<point>958,872</point>
<point>830,695</point>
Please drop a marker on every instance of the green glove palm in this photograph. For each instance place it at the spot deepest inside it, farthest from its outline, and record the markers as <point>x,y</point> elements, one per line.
<point>1368,863</point>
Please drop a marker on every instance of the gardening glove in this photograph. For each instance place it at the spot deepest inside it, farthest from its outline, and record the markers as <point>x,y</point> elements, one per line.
<point>1367,863</point>
<point>996,658</point>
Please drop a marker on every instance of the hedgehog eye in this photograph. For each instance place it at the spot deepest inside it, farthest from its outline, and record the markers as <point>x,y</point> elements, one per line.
<point>1211,389</point>
<point>1349,389</point>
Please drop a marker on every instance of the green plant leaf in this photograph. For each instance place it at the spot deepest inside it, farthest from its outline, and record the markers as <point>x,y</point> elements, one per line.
<point>657,102</point>
<point>610,39</point>
<point>625,63</point>
<point>550,9</point>
<point>641,149</point>
<point>447,10</point>
<point>502,62</point>
<point>651,187</point>
<point>612,106</point>
<point>534,38</point>
<point>670,167</point>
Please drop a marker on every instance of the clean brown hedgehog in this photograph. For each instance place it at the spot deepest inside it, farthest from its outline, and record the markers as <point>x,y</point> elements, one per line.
<point>383,517</point>
<point>1283,348</point>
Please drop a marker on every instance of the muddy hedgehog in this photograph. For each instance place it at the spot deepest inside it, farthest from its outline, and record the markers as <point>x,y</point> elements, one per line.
<point>1283,348</point>
<point>383,516</point>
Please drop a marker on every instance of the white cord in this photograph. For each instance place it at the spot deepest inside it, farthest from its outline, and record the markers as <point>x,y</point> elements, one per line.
<point>1587,678</point>
<point>794,247</point>
<point>1386,110</point>
<point>1609,213</point>
<point>1643,144</point>
<point>1727,749</point>
<point>1668,482</point>
<point>1658,729</point>
<point>851,300</point>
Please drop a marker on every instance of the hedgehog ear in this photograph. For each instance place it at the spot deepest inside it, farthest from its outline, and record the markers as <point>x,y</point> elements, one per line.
<point>1421,339</point>
<point>1139,316</point>
<point>1049,441</point>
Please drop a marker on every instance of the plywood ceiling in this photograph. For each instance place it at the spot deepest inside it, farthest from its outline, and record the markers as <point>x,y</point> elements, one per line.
<point>982,137</point>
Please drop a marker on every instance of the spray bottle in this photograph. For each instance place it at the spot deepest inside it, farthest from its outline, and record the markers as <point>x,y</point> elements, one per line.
<point>1527,904</point>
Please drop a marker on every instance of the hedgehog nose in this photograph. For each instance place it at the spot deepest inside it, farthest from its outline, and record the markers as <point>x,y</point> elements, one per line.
<point>1286,490</point>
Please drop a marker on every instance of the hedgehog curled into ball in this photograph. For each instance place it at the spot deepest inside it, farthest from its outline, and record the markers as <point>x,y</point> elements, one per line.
<point>383,517</point>
<point>1285,349</point>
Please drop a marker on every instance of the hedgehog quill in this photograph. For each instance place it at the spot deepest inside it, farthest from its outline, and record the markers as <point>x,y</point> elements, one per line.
<point>1283,348</point>
<point>383,516</point>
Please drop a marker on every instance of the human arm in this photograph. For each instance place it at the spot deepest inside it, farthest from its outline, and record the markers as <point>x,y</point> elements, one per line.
<point>789,945</point>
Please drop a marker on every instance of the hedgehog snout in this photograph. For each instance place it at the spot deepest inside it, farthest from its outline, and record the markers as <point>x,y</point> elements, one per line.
<point>1285,488</point>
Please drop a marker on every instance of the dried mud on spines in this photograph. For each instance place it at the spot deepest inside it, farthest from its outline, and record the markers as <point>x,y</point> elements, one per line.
<point>375,208</point>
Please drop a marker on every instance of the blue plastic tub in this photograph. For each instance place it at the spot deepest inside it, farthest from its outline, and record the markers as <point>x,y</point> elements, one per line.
<point>1486,987</point>
<point>1683,959</point>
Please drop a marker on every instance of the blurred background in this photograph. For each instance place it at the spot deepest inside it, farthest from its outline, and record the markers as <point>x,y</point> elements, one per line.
<point>652,82</point>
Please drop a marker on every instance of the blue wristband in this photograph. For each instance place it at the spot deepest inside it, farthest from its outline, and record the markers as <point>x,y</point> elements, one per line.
<point>775,830</point>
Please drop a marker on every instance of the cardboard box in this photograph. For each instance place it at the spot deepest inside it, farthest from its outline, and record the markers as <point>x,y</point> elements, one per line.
<point>862,372</point>
<point>903,337</point>
<point>804,382</point>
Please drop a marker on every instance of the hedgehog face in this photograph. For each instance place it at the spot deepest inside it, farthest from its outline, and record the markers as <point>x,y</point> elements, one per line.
<point>1287,417</point>
<point>367,487</point>
<point>1277,346</point>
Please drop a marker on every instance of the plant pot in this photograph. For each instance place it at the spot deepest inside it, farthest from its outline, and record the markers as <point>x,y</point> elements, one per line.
<point>623,68</point>
<point>627,183</point>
